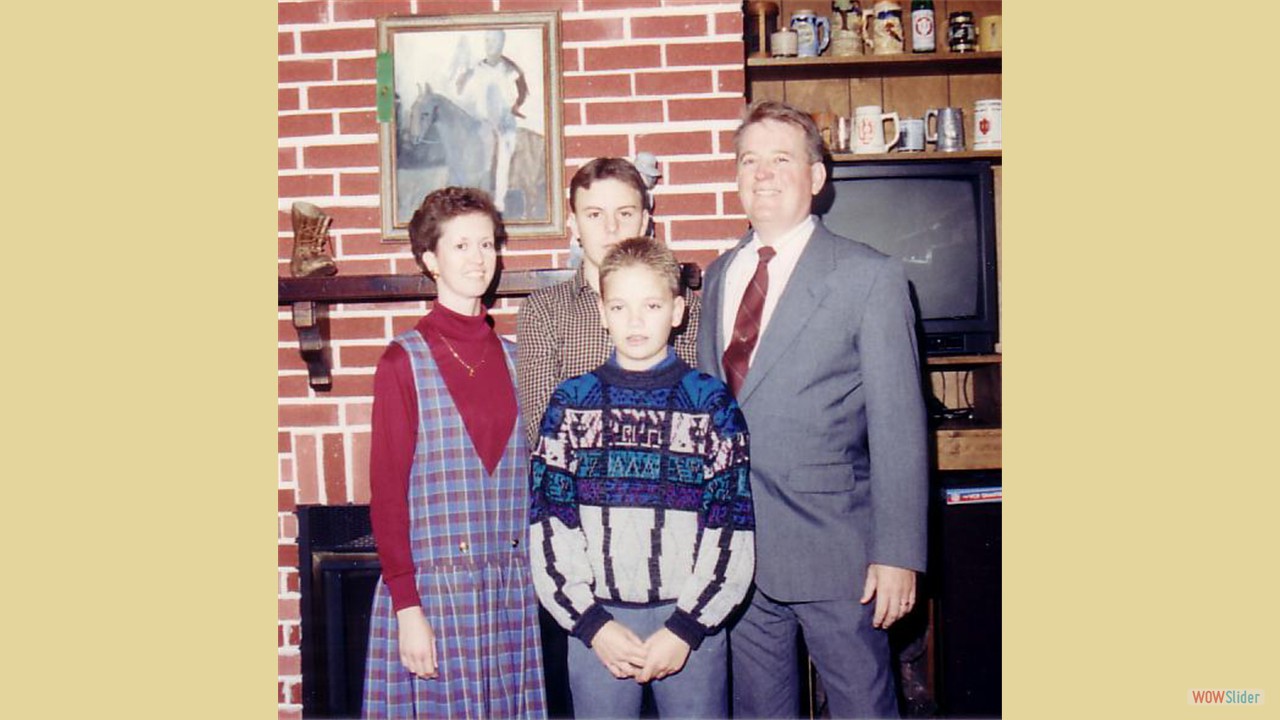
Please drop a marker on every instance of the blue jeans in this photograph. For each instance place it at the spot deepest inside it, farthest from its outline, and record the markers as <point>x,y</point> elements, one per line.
<point>699,690</point>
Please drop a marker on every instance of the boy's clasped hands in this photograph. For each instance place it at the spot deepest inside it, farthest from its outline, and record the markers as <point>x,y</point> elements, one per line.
<point>625,655</point>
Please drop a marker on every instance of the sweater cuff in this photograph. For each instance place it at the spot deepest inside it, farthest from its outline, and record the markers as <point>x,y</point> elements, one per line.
<point>404,592</point>
<point>686,628</point>
<point>590,623</point>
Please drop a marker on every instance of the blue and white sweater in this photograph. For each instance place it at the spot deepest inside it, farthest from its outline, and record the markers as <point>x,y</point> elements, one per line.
<point>641,496</point>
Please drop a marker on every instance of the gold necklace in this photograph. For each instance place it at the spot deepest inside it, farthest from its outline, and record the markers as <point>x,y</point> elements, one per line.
<point>471,369</point>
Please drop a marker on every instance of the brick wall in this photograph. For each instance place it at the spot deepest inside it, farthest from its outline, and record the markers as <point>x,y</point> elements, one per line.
<point>664,76</point>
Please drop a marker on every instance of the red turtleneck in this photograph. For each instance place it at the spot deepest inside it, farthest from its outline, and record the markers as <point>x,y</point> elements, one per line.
<point>486,402</point>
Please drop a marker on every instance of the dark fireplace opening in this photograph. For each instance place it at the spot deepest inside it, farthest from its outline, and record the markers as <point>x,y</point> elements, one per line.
<point>339,571</point>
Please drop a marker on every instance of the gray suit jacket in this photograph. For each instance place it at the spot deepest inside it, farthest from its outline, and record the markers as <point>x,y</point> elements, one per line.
<point>833,402</point>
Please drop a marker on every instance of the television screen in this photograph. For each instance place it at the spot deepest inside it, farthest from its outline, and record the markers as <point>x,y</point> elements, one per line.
<point>938,219</point>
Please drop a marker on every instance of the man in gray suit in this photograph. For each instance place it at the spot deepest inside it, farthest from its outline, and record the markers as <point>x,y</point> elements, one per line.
<point>826,371</point>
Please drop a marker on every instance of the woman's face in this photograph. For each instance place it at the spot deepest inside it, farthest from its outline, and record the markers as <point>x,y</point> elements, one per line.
<point>464,260</point>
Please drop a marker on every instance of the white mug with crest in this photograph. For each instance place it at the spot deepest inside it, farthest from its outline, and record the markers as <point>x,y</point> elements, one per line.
<point>986,124</point>
<point>868,130</point>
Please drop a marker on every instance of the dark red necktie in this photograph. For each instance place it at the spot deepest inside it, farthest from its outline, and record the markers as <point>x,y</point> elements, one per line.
<point>746,326</point>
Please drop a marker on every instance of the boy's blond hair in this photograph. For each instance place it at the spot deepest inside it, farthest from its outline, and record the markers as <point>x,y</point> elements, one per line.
<point>645,252</point>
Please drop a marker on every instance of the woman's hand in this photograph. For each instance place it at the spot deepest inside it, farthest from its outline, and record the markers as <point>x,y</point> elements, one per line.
<point>417,642</point>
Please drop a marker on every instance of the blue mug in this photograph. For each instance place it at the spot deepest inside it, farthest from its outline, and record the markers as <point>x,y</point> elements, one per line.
<point>814,32</point>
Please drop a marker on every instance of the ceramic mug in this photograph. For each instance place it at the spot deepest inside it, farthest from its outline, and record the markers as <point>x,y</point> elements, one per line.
<point>783,43</point>
<point>912,135</point>
<point>868,130</point>
<point>986,124</point>
<point>990,33</point>
<point>948,131</point>
<point>886,30</point>
<point>814,33</point>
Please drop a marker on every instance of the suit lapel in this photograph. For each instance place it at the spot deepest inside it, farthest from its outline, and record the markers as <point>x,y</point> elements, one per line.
<point>804,292</point>
<point>713,304</point>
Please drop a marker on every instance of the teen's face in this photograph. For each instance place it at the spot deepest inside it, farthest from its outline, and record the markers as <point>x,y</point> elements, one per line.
<point>605,214</point>
<point>464,260</point>
<point>639,311</point>
<point>776,180</point>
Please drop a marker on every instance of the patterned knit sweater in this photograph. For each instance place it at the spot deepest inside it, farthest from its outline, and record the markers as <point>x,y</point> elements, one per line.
<point>641,496</point>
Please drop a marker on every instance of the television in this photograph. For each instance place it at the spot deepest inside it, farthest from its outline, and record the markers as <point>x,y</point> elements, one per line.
<point>938,219</point>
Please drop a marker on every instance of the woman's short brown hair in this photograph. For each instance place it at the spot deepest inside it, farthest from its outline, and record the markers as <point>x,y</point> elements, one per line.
<point>441,206</point>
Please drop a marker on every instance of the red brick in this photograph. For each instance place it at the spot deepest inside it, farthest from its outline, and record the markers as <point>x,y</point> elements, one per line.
<point>623,113</point>
<point>590,86</point>
<point>701,171</point>
<point>667,27</point>
<point>304,71</point>
<point>354,218</point>
<point>358,184</point>
<point>284,442</point>
<point>356,123</point>
<point>292,583</point>
<point>357,328</point>
<point>573,113</point>
<point>352,386</point>
<point>701,258</point>
<point>293,386</point>
<point>700,54</point>
<point>360,467</point>
<point>681,143</point>
<point>726,140</point>
<point>592,29</point>
<point>504,325</point>
<point>589,5</point>
<point>283,695</point>
<point>361,244</point>
<point>290,664</point>
<point>569,60</point>
<point>289,527</point>
<point>341,156</point>
<point>335,468</point>
<point>593,146</point>
<point>527,262</point>
<point>673,83</point>
<point>290,186</point>
<point>285,43</point>
<point>707,229</point>
<point>293,713</point>
<point>359,413</point>
<point>729,23</point>
<point>290,358</point>
<point>366,10</point>
<point>302,13</point>
<point>288,555</point>
<point>362,95</point>
<point>706,109</point>
<point>733,204</point>
<point>357,68</point>
<point>401,323</point>
<point>460,7</point>
<point>287,158</point>
<point>620,58</point>
<point>307,415</point>
<point>306,469</point>
<point>302,125</point>
<point>287,99</point>
<point>358,356</point>
<point>284,498</point>
<point>731,81</point>
<point>318,41</point>
<point>699,204</point>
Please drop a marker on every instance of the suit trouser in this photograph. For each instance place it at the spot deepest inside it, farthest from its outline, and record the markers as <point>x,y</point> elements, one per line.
<point>851,656</point>
<point>699,690</point>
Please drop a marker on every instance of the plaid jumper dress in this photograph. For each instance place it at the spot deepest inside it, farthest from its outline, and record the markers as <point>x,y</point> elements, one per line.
<point>468,533</point>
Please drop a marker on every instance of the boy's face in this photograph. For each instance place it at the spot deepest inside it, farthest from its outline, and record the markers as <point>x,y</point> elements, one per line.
<point>639,311</point>
<point>605,214</point>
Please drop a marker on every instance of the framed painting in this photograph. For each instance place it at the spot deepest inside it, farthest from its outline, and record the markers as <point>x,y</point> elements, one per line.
<point>476,103</point>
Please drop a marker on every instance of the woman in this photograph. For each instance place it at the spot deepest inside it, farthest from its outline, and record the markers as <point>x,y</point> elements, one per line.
<point>454,631</point>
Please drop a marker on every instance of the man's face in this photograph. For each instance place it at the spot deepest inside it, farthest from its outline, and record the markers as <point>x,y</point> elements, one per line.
<point>605,214</point>
<point>776,180</point>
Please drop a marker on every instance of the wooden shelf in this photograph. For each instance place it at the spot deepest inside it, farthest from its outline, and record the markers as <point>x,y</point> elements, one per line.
<point>963,360</point>
<point>879,65</point>
<point>925,156</point>
<point>968,448</point>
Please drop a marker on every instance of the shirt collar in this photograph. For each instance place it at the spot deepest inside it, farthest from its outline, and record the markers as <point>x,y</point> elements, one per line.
<point>789,240</point>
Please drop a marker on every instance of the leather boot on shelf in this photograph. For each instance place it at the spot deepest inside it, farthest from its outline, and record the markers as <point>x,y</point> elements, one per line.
<point>310,238</point>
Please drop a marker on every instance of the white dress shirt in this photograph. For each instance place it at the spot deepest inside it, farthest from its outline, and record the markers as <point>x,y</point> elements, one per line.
<point>738,276</point>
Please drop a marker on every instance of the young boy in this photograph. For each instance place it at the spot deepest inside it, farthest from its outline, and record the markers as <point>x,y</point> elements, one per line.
<point>641,525</point>
<point>558,328</point>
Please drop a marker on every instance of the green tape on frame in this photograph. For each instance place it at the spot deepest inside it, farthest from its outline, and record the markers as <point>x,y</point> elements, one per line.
<point>386,87</point>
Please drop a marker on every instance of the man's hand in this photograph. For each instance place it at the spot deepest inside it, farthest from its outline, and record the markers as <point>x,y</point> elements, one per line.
<point>619,650</point>
<point>894,589</point>
<point>667,656</point>
<point>417,642</point>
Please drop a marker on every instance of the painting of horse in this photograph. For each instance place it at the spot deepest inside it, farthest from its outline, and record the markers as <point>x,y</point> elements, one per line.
<point>439,144</point>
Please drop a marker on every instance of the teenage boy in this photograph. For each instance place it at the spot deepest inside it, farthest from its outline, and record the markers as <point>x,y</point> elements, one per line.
<point>558,328</point>
<point>642,525</point>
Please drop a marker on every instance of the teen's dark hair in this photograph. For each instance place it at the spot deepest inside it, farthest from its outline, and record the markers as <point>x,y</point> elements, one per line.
<point>607,168</point>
